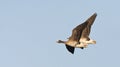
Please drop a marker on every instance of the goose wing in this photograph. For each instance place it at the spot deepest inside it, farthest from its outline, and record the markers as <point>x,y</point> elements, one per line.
<point>89,22</point>
<point>70,49</point>
<point>77,32</point>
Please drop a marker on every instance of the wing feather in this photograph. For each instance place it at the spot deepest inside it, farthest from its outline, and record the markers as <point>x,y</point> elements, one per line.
<point>77,32</point>
<point>82,29</point>
<point>70,49</point>
<point>89,23</point>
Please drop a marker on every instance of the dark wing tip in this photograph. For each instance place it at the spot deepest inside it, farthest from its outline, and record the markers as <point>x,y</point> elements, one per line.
<point>91,19</point>
<point>70,49</point>
<point>95,13</point>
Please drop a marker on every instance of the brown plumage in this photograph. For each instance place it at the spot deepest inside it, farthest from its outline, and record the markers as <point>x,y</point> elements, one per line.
<point>80,35</point>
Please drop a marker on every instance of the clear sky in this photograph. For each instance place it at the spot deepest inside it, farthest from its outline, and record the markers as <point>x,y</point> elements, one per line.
<point>29,30</point>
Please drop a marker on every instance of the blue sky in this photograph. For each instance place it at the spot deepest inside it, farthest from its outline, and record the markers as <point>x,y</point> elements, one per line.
<point>29,30</point>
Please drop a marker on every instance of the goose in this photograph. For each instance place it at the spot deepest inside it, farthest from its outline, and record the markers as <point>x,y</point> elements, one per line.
<point>80,36</point>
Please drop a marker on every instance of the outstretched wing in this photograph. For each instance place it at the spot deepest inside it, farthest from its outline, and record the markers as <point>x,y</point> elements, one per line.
<point>91,19</point>
<point>70,49</point>
<point>77,32</point>
<point>89,23</point>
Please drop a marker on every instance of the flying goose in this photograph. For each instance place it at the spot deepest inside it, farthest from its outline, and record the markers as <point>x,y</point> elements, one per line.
<point>80,35</point>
